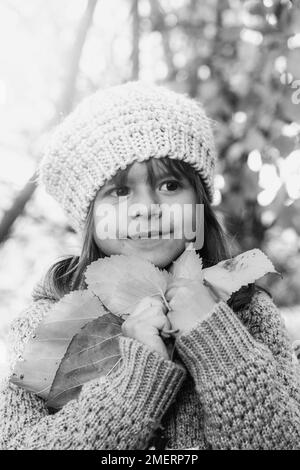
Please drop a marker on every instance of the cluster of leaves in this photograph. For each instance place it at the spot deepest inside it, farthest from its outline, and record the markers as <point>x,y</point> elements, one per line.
<point>77,340</point>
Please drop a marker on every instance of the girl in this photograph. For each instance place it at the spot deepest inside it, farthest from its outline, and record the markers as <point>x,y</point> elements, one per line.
<point>233,383</point>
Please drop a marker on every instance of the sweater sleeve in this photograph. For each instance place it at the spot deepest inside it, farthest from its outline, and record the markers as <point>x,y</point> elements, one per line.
<point>121,411</point>
<point>247,387</point>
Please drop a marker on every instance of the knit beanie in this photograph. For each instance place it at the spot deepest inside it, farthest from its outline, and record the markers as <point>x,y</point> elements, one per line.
<point>116,126</point>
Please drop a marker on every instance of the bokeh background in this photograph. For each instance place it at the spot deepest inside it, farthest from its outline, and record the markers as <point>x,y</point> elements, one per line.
<point>240,58</point>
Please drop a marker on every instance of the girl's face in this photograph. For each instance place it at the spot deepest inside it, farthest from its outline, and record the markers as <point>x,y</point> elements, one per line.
<point>134,213</point>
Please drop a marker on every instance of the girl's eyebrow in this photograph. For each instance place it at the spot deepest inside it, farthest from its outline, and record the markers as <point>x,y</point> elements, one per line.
<point>121,179</point>
<point>169,173</point>
<point>117,180</point>
<point>166,173</point>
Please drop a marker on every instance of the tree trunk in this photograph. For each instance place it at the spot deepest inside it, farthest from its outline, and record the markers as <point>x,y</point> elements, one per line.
<point>158,24</point>
<point>17,208</point>
<point>63,108</point>
<point>135,55</point>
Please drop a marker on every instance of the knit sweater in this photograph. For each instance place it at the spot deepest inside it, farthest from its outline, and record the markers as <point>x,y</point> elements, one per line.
<point>236,386</point>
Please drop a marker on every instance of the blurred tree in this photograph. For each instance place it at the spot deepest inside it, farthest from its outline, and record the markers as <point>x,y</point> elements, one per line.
<point>135,56</point>
<point>63,107</point>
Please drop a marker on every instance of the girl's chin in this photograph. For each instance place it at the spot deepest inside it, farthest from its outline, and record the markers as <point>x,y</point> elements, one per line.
<point>160,252</point>
<point>146,243</point>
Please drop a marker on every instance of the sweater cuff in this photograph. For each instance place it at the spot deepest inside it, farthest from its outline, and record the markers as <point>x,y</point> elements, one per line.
<point>218,344</point>
<point>143,379</point>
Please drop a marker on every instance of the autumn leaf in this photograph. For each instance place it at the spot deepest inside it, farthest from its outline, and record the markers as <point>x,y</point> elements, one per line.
<point>92,353</point>
<point>230,275</point>
<point>45,350</point>
<point>188,266</point>
<point>121,281</point>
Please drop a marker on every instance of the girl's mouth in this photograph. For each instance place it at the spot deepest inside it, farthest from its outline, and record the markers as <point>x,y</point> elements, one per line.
<point>144,243</point>
<point>150,236</point>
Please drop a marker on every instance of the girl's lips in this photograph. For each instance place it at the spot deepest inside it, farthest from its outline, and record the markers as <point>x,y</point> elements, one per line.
<point>151,236</point>
<point>145,242</point>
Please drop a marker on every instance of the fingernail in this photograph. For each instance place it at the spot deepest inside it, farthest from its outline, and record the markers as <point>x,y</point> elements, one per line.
<point>168,333</point>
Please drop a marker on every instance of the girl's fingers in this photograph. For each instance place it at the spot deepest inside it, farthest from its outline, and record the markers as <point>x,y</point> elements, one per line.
<point>140,307</point>
<point>170,294</point>
<point>181,282</point>
<point>158,319</point>
<point>146,303</point>
<point>169,333</point>
<point>167,325</point>
<point>152,311</point>
<point>155,300</point>
<point>172,291</point>
<point>153,316</point>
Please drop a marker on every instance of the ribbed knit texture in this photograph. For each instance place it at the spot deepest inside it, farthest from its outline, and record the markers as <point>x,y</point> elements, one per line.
<point>116,126</point>
<point>235,387</point>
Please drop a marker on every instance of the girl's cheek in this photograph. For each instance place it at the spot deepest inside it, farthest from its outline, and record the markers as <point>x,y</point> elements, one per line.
<point>110,221</point>
<point>105,221</point>
<point>183,222</point>
<point>122,220</point>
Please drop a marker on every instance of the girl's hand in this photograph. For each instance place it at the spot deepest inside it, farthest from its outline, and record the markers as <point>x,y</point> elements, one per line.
<point>146,322</point>
<point>190,302</point>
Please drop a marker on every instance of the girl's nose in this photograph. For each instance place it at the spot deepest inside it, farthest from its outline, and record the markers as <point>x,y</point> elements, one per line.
<point>146,205</point>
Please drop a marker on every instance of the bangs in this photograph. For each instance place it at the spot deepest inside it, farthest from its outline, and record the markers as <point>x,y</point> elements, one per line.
<point>120,178</point>
<point>159,168</point>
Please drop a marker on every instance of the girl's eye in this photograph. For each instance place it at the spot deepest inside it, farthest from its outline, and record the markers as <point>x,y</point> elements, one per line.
<point>171,185</point>
<point>121,191</point>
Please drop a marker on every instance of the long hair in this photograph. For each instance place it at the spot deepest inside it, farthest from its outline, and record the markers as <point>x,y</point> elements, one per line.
<point>67,274</point>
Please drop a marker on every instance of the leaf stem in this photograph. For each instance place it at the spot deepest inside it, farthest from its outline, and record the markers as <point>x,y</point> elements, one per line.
<point>166,303</point>
<point>113,367</point>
